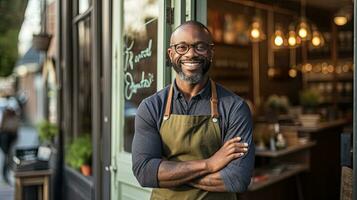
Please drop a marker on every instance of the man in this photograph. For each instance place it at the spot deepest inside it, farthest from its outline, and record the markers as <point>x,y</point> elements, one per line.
<point>193,139</point>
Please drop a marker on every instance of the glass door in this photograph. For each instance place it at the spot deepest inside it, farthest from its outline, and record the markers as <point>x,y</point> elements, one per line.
<point>141,32</point>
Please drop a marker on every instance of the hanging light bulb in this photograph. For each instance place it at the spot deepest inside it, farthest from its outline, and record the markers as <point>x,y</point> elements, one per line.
<point>256,33</point>
<point>303,30</point>
<point>293,39</point>
<point>278,38</point>
<point>317,38</point>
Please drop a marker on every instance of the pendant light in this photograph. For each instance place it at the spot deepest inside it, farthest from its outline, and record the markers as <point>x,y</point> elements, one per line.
<point>317,39</point>
<point>303,28</point>
<point>293,39</point>
<point>256,33</point>
<point>343,15</point>
<point>278,38</point>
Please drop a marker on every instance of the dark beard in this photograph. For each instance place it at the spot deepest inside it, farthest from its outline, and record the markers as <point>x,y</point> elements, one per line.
<point>196,78</point>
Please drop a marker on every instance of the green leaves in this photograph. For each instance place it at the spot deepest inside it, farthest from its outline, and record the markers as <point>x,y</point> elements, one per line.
<point>310,98</point>
<point>11,17</point>
<point>47,131</point>
<point>79,152</point>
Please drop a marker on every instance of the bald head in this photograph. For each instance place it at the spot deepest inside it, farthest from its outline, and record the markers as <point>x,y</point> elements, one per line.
<point>194,27</point>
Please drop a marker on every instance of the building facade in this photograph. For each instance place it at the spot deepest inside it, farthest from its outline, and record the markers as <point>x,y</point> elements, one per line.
<point>110,55</point>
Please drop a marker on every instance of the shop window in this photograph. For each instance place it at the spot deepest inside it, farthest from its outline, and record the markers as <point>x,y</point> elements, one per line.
<point>140,59</point>
<point>78,141</point>
<point>84,78</point>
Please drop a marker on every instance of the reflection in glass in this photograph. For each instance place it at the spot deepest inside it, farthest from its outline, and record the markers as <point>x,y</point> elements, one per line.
<point>140,58</point>
<point>84,79</point>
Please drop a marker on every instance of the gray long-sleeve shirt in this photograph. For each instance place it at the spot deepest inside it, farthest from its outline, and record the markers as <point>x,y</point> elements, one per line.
<point>235,120</point>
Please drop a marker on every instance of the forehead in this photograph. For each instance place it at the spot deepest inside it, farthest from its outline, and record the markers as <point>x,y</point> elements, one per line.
<point>190,34</point>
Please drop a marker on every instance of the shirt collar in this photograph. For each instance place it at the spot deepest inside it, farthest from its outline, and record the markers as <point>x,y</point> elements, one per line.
<point>205,93</point>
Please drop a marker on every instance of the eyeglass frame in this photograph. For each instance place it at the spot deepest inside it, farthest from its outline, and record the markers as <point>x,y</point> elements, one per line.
<point>210,45</point>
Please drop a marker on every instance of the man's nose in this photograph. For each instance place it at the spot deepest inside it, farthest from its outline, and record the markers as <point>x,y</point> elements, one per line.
<point>191,52</point>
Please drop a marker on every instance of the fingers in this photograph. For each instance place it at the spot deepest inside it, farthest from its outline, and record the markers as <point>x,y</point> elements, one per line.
<point>235,155</point>
<point>233,140</point>
<point>238,147</point>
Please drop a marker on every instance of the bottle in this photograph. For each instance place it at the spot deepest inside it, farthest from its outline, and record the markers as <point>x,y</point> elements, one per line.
<point>272,140</point>
<point>280,140</point>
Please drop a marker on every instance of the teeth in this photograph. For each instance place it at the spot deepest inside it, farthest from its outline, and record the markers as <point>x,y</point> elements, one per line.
<point>191,64</point>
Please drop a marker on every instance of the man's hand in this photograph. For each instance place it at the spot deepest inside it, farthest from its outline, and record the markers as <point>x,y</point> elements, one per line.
<point>231,150</point>
<point>172,174</point>
<point>211,182</point>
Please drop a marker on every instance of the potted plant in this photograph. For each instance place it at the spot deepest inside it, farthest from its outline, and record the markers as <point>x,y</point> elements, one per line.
<point>47,131</point>
<point>79,154</point>
<point>310,99</point>
<point>276,106</point>
<point>41,41</point>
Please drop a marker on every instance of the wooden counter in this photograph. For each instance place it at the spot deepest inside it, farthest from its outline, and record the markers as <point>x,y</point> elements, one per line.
<point>320,126</point>
<point>317,170</point>
<point>322,181</point>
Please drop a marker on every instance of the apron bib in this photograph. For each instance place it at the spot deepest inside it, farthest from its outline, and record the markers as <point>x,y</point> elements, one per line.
<point>190,137</point>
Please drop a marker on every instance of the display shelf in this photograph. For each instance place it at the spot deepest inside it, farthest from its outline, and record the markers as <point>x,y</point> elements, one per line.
<point>273,177</point>
<point>322,125</point>
<point>288,150</point>
<point>328,77</point>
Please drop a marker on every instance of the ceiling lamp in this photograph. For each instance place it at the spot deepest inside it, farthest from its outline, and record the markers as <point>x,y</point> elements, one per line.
<point>303,30</point>
<point>278,38</point>
<point>293,39</point>
<point>256,33</point>
<point>340,20</point>
<point>343,15</point>
<point>317,39</point>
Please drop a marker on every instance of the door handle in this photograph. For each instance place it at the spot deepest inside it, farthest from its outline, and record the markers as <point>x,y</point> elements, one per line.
<point>111,168</point>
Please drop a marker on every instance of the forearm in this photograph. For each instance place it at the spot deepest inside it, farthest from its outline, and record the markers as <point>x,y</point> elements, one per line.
<point>211,182</point>
<point>172,174</point>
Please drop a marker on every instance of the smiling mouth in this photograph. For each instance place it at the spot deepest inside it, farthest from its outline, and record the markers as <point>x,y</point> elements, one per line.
<point>191,65</point>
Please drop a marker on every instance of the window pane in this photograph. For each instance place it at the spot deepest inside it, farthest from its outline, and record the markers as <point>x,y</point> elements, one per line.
<point>140,59</point>
<point>84,80</point>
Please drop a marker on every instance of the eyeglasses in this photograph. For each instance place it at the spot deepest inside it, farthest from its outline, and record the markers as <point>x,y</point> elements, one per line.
<point>199,47</point>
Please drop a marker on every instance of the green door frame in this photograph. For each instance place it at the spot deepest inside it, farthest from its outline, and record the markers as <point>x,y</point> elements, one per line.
<point>354,177</point>
<point>123,183</point>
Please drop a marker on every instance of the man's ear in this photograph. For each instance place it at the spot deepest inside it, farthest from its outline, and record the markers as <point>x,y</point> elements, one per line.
<point>170,53</point>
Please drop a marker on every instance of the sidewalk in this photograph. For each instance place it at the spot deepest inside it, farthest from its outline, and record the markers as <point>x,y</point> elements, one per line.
<point>27,137</point>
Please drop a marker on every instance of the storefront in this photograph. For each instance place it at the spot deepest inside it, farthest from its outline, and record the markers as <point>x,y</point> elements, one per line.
<point>112,55</point>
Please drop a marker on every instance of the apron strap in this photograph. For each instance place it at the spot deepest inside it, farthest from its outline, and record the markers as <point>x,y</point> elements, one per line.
<point>168,103</point>
<point>214,102</point>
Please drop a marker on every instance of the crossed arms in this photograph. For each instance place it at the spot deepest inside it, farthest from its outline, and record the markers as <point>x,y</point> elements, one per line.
<point>226,170</point>
<point>202,174</point>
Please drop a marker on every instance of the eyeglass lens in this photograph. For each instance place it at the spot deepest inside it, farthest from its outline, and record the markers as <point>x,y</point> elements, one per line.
<point>200,47</point>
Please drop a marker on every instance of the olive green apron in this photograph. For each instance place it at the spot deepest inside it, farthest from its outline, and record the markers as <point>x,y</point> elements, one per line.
<point>190,137</point>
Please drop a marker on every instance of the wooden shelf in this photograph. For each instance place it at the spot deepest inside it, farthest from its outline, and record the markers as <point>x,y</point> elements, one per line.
<point>273,178</point>
<point>321,126</point>
<point>318,77</point>
<point>288,150</point>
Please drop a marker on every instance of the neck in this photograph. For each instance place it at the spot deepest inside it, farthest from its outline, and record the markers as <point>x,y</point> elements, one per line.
<point>190,90</point>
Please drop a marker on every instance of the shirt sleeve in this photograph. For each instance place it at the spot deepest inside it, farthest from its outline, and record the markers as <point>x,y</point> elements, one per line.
<point>146,147</point>
<point>237,174</point>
